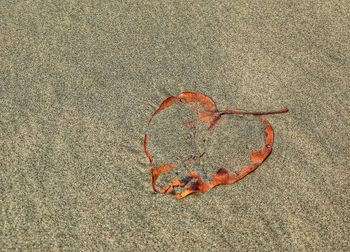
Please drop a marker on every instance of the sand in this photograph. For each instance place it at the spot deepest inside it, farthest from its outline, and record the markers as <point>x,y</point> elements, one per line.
<point>79,82</point>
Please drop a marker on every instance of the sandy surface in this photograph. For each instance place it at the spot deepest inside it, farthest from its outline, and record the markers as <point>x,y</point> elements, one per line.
<point>79,82</point>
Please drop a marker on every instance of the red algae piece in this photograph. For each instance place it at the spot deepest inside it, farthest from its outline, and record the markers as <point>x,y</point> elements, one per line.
<point>206,102</point>
<point>166,104</point>
<point>190,124</point>
<point>158,171</point>
<point>210,114</point>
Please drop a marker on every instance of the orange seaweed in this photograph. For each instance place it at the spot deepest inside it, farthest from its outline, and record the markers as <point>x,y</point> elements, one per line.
<point>165,104</point>
<point>190,124</point>
<point>207,103</point>
<point>211,115</point>
<point>158,171</point>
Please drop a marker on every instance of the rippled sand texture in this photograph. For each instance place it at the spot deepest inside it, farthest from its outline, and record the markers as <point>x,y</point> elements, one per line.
<point>79,82</point>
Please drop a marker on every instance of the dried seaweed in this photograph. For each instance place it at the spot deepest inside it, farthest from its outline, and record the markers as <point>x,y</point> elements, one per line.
<point>207,112</point>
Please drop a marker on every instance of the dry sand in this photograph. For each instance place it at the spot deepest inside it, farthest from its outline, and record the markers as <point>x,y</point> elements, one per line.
<point>79,82</point>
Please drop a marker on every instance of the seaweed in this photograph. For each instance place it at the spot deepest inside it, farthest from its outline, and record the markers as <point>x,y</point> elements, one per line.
<point>207,112</point>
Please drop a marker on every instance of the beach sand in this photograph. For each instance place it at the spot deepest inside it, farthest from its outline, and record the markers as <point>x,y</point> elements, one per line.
<point>79,82</point>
